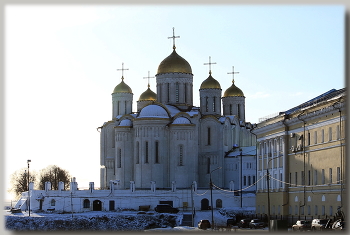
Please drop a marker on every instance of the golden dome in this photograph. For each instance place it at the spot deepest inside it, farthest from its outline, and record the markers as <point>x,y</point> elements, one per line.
<point>148,95</point>
<point>233,91</point>
<point>122,88</point>
<point>174,64</point>
<point>210,83</point>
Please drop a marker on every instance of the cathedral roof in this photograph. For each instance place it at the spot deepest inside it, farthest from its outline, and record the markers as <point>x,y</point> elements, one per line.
<point>125,122</point>
<point>210,83</point>
<point>174,64</point>
<point>181,120</point>
<point>233,91</point>
<point>153,110</point>
<point>122,88</point>
<point>148,95</point>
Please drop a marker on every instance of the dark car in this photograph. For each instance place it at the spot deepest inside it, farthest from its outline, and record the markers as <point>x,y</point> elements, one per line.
<point>230,222</point>
<point>302,225</point>
<point>243,223</point>
<point>320,224</point>
<point>165,208</point>
<point>204,224</point>
<point>256,223</point>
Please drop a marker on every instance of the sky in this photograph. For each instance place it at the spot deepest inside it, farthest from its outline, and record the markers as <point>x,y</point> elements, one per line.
<point>61,65</point>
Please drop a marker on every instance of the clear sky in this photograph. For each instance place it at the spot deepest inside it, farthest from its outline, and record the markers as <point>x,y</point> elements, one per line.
<point>61,67</point>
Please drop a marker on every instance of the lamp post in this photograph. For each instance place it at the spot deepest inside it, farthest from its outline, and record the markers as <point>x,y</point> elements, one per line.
<point>241,178</point>
<point>211,198</point>
<point>28,188</point>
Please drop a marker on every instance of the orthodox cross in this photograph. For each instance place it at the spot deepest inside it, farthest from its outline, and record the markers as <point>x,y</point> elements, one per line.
<point>233,74</point>
<point>148,78</point>
<point>122,69</point>
<point>173,37</point>
<point>210,63</point>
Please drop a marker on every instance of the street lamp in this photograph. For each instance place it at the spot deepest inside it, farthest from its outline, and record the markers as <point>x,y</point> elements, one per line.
<point>211,198</point>
<point>28,187</point>
<point>241,178</point>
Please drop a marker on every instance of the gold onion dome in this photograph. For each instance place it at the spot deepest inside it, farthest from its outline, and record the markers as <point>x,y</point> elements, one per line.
<point>174,64</point>
<point>210,83</point>
<point>122,88</point>
<point>148,95</point>
<point>233,91</point>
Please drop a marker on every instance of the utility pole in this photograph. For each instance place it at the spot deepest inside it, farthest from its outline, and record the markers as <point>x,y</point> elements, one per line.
<point>28,188</point>
<point>211,198</point>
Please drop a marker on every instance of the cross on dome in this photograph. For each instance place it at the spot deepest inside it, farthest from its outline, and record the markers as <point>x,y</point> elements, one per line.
<point>173,37</point>
<point>148,78</point>
<point>233,74</point>
<point>122,69</point>
<point>210,63</point>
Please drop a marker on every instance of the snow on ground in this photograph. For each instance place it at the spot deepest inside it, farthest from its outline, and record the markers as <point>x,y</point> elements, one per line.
<point>121,220</point>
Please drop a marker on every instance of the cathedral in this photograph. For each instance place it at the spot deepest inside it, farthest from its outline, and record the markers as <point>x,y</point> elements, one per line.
<point>169,141</point>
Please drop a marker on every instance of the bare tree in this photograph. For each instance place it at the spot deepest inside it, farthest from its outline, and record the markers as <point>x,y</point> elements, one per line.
<point>19,181</point>
<point>54,174</point>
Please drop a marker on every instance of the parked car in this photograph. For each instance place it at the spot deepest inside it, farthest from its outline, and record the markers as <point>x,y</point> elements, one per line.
<point>338,224</point>
<point>204,224</point>
<point>302,225</point>
<point>256,223</point>
<point>243,223</point>
<point>320,224</point>
<point>165,208</point>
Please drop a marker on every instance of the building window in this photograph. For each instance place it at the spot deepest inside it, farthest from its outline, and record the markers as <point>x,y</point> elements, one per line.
<point>118,107</point>
<point>330,133</point>
<point>315,177</point>
<point>309,177</point>
<point>253,179</point>
<point>208,135</point>
<point>302,178</point>
<point>249,182</point>
<point>316,210</point>
<point>168,90</point>
<point>338,132</point>
<point>296,179</point>
<point>330,175</point>
<point>125,107</point>
<point>322,136</point>
<point>239,111</point>
<point>296,210</point>
<point>309,210</point>
<point>157,152</point>
<point>119,163</point>
<point>302,210</point>
<point>330,210</point>
<point>180,155</point>
<point>338,175</point>
<point>218,203</point>
<point>244,180</point>
<point>214,106</point>
<point>53,202</point>
<point>206,104</point>
<point>230,109</point>
<point>281,177</point>
<point>323,177</point>
<point>315,137</point>
<point>146,152</point>
<point>185,93</point>
<point>208,165</point>
<point>323,210</point>
<point>86,203</point>
<point>137,153</point>
<point>309,138</point>
<point>177,92</point>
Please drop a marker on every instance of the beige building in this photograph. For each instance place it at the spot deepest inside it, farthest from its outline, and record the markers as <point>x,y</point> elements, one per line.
<point>303,152</point>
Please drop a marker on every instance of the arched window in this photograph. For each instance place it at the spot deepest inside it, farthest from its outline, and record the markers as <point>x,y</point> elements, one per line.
<point>86,203</point>
<point>53,202</point>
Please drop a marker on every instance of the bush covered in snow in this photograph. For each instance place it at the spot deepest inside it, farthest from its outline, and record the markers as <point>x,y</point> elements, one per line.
<point>91,223</point>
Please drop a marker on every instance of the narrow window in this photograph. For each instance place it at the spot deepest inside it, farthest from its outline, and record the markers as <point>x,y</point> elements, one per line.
<point>315,177</point>
<point>86,203</point>
<point>281,177</point>
<point>181,155</point>
<point>309,138</point>
<point>239,111</point>
<point>322,136</point>
<point>338,132</point>
<point>330,175</point>
<point>208,135</point>
<point>309,210</point>
<point>244,180</point>
<point>125,107</point>
<point>315,137</point>
<point>330,210</point>
<point>296,179</point>
<point>208,165</point>
<point>137,153</point>
<point>323,210</point>
<point>53,202</point>
<point>330,133</point>
<point>316,210</point>
<point>302,178</point>
<point>146,152</point>
<point>323,177</point>
<point>185,93</point>
<point>157,152</point>
<point>177,92</point>
<point>338,175</point>
<point>118,107</point>
<point>168,90</point>
<point>206,104</point>
<point>253,179</point>
<point>214,107</point>
<point>119,163</point>
<point>230,109</point>
<point>309,177</point>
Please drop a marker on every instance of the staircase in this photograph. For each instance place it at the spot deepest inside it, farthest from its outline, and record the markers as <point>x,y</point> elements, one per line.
<point>186,220</point>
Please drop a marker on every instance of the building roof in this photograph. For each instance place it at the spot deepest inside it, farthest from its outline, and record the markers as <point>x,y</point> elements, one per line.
<point>174,64</point>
